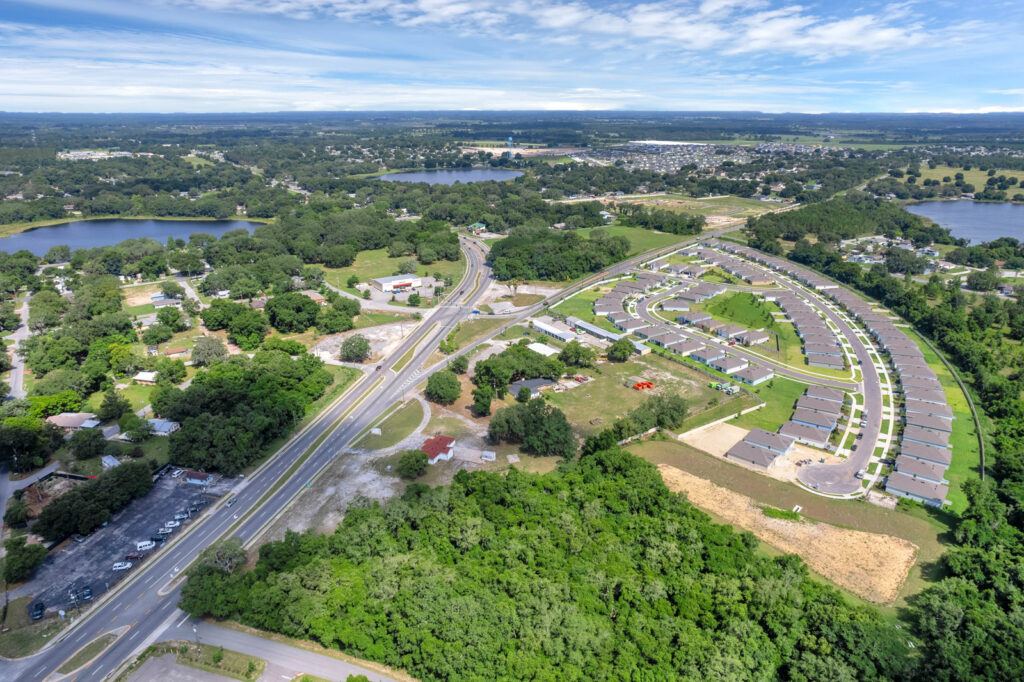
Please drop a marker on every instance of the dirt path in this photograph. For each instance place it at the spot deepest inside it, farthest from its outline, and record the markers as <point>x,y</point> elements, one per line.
<point>871,565</point>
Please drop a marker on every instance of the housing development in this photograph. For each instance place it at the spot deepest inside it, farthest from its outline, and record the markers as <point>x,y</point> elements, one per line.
<point>445,397</point>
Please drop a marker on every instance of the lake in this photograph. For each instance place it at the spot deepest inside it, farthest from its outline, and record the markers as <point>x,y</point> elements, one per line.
<point>87,234</point>
<point>978,222</point>
<point>450,177</point>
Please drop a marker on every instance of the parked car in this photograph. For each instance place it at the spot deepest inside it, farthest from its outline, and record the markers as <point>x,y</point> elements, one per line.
<point>133,557</point>
<point>122,565</point>
<point>87,593</point>
<point>158,539</point>
<point>164,532</point>
<point>38,609</point>
<point>172,524</point>
<point>77,538</point>
<point>181,516</point>
<point>854,448</point>
<point>177,472</point>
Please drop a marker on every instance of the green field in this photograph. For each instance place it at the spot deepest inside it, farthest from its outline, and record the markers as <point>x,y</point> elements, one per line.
<point>779,394</point>
<point>371,264</point>
<point>966,462</point>
<point>372,318</point>
<point>582,304</point>
<point>744,309</point>
<point>640,240</point>
<point>976,177</point>
<point>610,395</point>
<point>231,664</point>
<point>394,428</point>
<point>728,206</point>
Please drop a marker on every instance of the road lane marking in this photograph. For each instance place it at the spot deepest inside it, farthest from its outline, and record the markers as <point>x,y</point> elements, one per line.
<point>182,621</point>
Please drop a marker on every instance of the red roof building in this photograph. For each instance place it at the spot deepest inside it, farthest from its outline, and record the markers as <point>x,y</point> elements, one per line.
<point>439,448</point>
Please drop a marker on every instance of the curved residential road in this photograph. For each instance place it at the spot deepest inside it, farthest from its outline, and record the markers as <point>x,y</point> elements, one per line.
<point>644,313</point>
<point>147,602</point>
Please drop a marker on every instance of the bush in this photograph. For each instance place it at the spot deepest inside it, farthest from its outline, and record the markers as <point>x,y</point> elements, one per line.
<point>459,364</point>
<point>621,350</point>
<point>412,464</point>
<point>22,559</point>
<point>289,346</point>
<point>443,387</point>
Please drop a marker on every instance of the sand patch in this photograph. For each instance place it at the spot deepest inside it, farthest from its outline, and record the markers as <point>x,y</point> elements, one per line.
<point>871,565</point>
<point>715,439</point>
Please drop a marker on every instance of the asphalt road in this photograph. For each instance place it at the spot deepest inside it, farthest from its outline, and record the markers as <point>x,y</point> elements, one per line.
<point>148,602</point>
<point>17,362</point>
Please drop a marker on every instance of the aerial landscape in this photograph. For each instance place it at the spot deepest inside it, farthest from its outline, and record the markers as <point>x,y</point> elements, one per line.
<point>511,341</point>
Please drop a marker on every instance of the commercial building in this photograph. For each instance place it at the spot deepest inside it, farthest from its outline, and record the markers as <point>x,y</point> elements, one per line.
<point>396,283</point>
<point>552,331</point>
<point>544,349</point>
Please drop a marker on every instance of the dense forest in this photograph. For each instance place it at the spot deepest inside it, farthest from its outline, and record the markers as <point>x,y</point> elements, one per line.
<point>540,253</point>
<point>593,572</point>
<point>229,413</point>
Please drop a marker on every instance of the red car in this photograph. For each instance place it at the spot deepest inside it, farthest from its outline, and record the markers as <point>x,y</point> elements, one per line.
<point>732,343</point>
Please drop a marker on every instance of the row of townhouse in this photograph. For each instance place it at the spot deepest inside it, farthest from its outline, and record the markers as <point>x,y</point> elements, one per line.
<point>925,452</point>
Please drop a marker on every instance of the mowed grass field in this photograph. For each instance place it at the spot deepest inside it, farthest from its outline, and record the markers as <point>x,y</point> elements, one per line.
<point>640,240</point>
<point>966,461</point>
<point>779,394</point>
<point>728,206</point>
<point>610,395</point>
<point>377,263</point>
<point>394,428</point>
<point>582,306</point>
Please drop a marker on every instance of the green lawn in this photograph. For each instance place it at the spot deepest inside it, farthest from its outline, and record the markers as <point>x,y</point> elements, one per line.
<point>473,329</point>
<point>372,318</point>
<point>397,426</point>
<point>20,636</point>
<point>640,240</point>
<point>371,264</point>
<point>582,304</point>
<point>87,653</point>
<point>779,395</point>
<point>144,309</point>
<point>610,394</point>
<point>976,177</point>
<point>966,462</point>
<point>744,309</point>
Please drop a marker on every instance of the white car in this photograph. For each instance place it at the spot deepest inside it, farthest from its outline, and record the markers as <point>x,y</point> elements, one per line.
<point>122,565</point>
<point>172,524</point>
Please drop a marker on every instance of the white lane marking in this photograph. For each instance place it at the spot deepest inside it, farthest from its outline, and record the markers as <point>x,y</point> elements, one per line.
<point>182,621</point>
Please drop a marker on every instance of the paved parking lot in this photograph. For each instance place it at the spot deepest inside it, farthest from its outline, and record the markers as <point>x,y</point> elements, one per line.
<point>76,565</point>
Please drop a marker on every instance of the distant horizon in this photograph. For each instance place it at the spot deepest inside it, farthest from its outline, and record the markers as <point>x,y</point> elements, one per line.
<point>216,56</point>
<point>589,112</point>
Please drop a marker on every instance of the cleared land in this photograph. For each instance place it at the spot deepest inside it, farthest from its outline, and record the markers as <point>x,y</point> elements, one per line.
<point>872,566</point>
<point>728,207</point>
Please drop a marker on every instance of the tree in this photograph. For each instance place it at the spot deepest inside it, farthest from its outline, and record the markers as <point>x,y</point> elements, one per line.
<point>157,334</point>
<point>459,364</point>
<point>207,350</point>
<point>412,464</point>
<point>352,281</point>
<point>113,406</point>
<point>621,350</point>
<point>482,398</point>
<point>172,319</point>
<point>292,312</point>
<point>443,387</point>
<point>340,256</point>
<point>576,354</point>
<point>86,443</point>
<point>60,253</point>
<point>331,320</point>
<point>248,329</point>
<point>355,348</point>
<point>172,289</point>
<point>22,559</point>
<point>984,280</point>
<point>190,306</point>
<point>524,395</point>
<point>17,511</point>
<point>539,427</point>
<point>414,299</point>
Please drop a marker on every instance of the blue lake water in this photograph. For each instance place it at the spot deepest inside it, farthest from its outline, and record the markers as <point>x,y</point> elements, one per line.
<point>87,234</point>
<point>450,177</point>
<point>978,222</point>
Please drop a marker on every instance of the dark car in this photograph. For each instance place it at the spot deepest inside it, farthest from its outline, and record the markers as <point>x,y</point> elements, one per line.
<point>854,448</point>
<point>38,609</point>
<point>86,593</point>
<point>158,538</point>
<point>132,557</point>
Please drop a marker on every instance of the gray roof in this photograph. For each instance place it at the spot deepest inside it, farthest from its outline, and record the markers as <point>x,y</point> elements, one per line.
<point>803,432</point>
<point>932,453</point>
<point>916,486</point>
<point>826,393</point>
<point>760,457</point>
<point>920,469</point>
<point>774,441</point>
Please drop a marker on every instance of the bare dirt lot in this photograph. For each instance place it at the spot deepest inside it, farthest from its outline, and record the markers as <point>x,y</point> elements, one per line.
<point>871,565</point>
<point>715,439</point>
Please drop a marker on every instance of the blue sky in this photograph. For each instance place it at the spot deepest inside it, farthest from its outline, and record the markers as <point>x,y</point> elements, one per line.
<point>282,55</point>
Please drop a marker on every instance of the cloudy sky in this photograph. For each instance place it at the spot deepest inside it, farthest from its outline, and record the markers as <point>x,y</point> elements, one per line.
<point>282,55</point>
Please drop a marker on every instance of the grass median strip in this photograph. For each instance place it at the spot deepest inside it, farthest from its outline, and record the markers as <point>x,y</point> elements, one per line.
<point>87,653</point>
